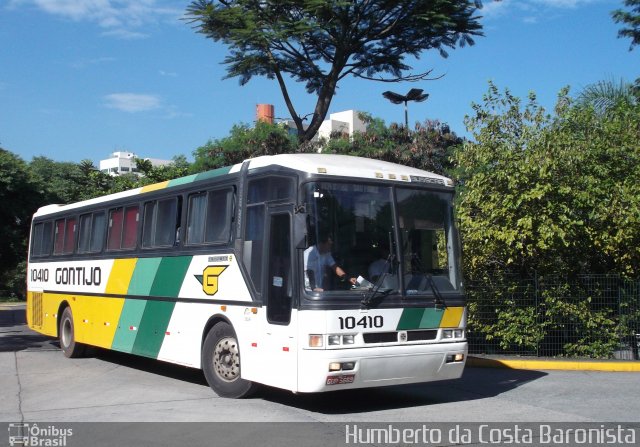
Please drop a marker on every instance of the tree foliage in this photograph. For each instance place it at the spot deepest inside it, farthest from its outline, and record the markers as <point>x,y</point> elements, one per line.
<point>20,195</point>
<point>554,194</point>
<point>429,146</point>
<point>319,42</point>
<point>244,142</point>
<point>631,21</point>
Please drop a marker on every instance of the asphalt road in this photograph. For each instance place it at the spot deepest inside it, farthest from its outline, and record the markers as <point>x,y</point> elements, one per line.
<point>39,384</point>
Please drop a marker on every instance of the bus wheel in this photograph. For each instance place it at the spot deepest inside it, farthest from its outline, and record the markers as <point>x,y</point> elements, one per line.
<point>68,343</point>
<point>221,363</point>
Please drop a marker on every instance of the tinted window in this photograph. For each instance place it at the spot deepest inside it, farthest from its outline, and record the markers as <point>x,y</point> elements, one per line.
<point>58,245</point>
<point>123,228</point>
<point>91,233</point>
<point>115,229</point>
<point>41,239</point>
<point>209,217</point>
<point>84,233</point>
<point>65,231</point>
<point>97,232</point>
<point>269,188</point>
<point>130,228</point>
<point>161,223</point>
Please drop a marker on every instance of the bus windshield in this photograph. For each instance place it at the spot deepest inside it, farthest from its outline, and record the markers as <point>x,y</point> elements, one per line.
<point>352,231</point>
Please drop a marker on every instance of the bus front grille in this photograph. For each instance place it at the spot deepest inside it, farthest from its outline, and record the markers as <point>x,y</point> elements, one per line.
<point>36,309</point>
<point>391,337</point>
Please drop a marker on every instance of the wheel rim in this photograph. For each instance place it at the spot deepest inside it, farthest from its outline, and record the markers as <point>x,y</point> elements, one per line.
<point>66,332</point>
<point>226,359</point>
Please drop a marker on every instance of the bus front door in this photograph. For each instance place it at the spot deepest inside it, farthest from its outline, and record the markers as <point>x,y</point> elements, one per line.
<point>280,350</point>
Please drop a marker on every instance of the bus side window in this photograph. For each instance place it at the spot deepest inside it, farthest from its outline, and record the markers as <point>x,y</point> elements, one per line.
<point>41,240</point>
<point>123,228</point>
<point>115,229</point>
<point>161,222</point>
<point>65,231</point>
<point>84,233</point>
<point>219,209</point>
<point>97,232</point>
<point>209,217</point>
<point>58,245</point>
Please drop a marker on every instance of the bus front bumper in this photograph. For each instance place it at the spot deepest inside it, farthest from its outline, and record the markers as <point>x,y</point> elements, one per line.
<point>379,366</point>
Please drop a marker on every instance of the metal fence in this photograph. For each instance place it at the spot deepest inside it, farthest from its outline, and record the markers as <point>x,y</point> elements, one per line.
<point>588,316</point>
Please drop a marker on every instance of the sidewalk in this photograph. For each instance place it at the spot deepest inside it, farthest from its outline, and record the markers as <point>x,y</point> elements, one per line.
<point>535,363</point>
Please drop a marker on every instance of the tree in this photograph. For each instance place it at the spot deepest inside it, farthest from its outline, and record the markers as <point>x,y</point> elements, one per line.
<point>631,19</point>
<point>549,196</point>
<point>243,142</point>
<point>179,167</point>
<point>552,194</point>
<point>21,196</point>
<point>67,182</point>
<point>320,42</point>
<point>429,146</point>
<point>608,96</point>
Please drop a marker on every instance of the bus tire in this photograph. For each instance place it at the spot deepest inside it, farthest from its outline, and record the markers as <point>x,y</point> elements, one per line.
<point>221,363</point>
<point>66,334</point>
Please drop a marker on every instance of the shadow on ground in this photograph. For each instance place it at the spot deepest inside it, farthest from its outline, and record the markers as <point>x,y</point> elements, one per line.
<point>476,383</point>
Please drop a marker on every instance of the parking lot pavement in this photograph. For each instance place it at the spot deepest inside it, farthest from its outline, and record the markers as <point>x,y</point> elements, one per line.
<point>40,384</point>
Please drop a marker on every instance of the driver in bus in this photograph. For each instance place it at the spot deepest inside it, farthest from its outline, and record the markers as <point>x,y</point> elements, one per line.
<point>317,260</point>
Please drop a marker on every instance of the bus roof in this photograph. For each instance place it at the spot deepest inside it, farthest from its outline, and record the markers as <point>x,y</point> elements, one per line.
<point>324,164</point>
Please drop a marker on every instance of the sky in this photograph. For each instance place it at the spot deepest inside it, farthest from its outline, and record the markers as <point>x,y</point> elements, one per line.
<point>80,79</point>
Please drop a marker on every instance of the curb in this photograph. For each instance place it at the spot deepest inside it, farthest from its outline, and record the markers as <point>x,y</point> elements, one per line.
<point>13,306</point>
<point>562,365</point>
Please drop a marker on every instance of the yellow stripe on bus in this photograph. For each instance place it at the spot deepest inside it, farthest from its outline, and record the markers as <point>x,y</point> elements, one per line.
<point>100,320</point>
<point>452,317</point>
<point>103,314</point>
<point>155,186</point>
<point>120,276</point>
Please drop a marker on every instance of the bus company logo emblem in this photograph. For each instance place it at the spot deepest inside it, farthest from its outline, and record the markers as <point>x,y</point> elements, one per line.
<point>402,336</point>
<point>209,278</point>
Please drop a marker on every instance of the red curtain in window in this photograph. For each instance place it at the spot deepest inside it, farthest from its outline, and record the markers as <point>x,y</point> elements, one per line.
<point>130,227</point>
<point>115,229</point>
<point>59,241</point>
<point>70,236</point>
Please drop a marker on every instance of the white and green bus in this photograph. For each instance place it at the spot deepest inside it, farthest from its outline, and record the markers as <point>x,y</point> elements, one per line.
<point>306,272</point>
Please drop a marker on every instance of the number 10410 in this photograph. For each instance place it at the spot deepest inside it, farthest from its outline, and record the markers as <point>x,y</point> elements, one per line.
<point>364,322</point>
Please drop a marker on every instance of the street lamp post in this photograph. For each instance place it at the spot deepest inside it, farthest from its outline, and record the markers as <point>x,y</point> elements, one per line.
<point>415,94</point>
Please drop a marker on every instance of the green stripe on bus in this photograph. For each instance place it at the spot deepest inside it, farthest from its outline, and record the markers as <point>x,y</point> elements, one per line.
<point>143,276</point>
<point>128,325</point>
<point>182,180</point>
<point>168,281</point>
<point>215,173</point>
<point>170,276</point>
<point>410,319</point>
<point>153,326</point>
<point>431,318</point>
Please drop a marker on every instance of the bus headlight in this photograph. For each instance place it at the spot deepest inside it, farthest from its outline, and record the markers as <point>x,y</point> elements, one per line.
<point>348,339</point>
<point>334,340</point>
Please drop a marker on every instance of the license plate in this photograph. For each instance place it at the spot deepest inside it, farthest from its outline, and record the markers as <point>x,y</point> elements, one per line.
<point>340,380</point>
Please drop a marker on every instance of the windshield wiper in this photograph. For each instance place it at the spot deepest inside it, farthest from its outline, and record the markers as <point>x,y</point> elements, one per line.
<point>375,291</point>
<point>438,299</point>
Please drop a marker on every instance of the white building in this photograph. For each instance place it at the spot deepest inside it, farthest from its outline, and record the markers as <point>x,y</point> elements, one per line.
<point>347,122</point>
<point>123,163</point>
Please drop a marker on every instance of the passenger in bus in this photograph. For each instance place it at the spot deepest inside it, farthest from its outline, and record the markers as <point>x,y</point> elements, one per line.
<point>318,261</point>
<point>380,265</point>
